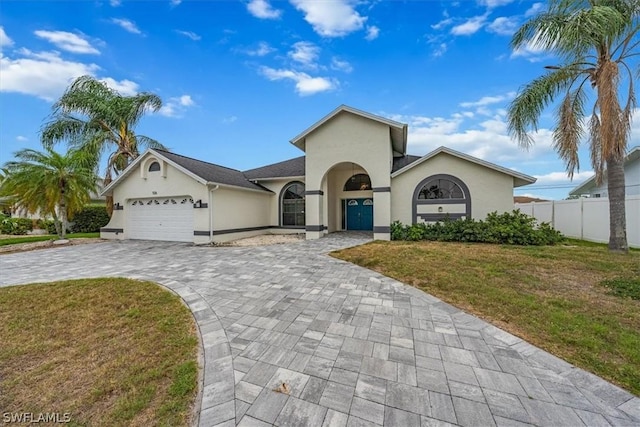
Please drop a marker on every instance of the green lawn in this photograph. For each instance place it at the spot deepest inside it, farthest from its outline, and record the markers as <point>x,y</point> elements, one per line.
<point>107,351</point>
<point>575,300</point>
<point>30,239</point>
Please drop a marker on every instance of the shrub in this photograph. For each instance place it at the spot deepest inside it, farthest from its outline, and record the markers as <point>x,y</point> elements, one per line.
<point>90,219</point>
<point>15,226</point>
<point>512,228</point>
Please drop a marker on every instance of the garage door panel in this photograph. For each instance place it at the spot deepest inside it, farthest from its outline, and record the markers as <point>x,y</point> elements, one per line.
<point>169,219</point>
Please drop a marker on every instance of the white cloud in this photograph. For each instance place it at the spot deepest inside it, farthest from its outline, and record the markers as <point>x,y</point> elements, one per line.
<point>534,9</point>
<point>190,34</point>
<point>186,101</point>
<point>5,40</point>
<point>444,23</point>
<point>305,53</point>
<point>67,41</point>
<point>175,107</point>
<point>504,26</point>
<point>123,87</point>
<point>127,25</point>
<point>331,19</point>
<point>494,3</point>
<point>488,100</point>
<point>230,119</point>
<point>21,138</point>
<point>262,9</point>
<point>340,65</point>
<point>562,178</point>
<point>488,140</point>
<point>115,3</point>
<point>45,74</point>
<point>305,84</point>
<point>439,50</point>
<point>531,51</point>
<point>470,26</point>
<point>175,2</point>
<point>372,33</point>
<point>263,49</point>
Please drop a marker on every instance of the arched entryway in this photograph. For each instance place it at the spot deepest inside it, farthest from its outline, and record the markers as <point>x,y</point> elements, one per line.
<point>348,202</point>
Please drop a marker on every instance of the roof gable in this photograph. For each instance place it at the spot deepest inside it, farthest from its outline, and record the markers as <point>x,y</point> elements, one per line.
<point>203,172</point>
<point>398,131</point>
<point>632,156</point>
<point>520,179</point>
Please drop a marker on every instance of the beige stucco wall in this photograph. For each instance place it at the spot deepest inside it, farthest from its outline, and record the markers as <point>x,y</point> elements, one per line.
<point>346,138</point>
<point>235,209</point>
<point>490,190</point>
<point>168,182</point>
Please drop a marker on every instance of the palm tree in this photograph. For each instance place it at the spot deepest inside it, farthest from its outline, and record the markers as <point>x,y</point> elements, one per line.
<point>595,40</point>
<point>93,117</point>
<point>50,183</point>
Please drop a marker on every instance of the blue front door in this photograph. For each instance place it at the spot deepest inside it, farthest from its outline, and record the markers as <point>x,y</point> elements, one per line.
<point>359,214</point>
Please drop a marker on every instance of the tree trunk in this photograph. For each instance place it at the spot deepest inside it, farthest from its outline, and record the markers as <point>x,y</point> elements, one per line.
<point>109,198</point>
<point>617,215</point>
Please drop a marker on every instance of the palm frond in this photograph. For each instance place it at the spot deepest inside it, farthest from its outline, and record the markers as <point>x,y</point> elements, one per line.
<point>525,110</point>
<point>569,129</point>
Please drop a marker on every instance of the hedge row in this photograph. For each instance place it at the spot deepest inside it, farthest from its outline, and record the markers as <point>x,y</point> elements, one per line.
<point>88,220</point>
<point>512,228</point>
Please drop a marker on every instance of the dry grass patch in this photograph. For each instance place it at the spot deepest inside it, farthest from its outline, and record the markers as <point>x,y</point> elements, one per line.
<point>107,351</point>
<point>551,296</point>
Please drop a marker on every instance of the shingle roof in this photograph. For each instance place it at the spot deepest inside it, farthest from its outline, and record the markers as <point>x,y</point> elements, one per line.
<point>212,172</point>
<point>292,167</point>
<point>400,162</point>
<point>296,167</point>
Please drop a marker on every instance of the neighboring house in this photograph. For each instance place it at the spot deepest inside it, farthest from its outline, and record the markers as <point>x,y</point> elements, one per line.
<point>355,175</point>
<point>527,199</point>
<point>589,188</point>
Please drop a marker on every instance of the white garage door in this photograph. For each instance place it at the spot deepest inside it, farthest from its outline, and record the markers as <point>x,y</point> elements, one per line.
<point>169,219</point>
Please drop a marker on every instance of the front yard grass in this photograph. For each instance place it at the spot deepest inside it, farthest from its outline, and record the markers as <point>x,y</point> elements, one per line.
<point>575,300</point>
<point>14,240</point>
<point>106,351</point>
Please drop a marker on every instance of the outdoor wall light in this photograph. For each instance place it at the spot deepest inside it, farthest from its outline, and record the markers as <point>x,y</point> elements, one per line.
<point>198,204</point>
<point>439,208</point>
<point>154,192</point>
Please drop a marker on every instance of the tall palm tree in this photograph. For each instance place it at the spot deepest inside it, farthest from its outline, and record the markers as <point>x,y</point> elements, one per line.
<point>50,183</point>
<point>595,40</point>
<point>93,117</point>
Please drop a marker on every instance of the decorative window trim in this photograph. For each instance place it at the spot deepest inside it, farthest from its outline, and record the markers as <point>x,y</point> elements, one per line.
<point>439,216</point>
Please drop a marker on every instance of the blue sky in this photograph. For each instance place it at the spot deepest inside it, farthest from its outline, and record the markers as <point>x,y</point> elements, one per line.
<point>239,79</point>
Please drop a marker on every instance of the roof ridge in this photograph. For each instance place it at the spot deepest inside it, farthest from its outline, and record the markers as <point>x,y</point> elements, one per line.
<point>272,164</point>
<point>197,160</point>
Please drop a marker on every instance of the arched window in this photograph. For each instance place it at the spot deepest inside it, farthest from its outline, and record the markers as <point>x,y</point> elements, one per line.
<point>154,167</point>
<point>441,196</point>
<point>292,205</point>
<point>441,189</point>
<point>358,182</point>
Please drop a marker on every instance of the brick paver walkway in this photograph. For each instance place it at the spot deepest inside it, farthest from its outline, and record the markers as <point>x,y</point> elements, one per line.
<point>355,348</point>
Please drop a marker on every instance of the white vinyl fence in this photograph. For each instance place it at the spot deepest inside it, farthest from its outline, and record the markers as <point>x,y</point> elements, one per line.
<point>586,219</point>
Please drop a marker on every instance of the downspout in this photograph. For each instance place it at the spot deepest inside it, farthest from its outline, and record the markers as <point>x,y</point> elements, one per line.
<point>211,190</point>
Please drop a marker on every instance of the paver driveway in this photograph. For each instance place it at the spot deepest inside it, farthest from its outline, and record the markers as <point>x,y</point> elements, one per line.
<point>354,347</point>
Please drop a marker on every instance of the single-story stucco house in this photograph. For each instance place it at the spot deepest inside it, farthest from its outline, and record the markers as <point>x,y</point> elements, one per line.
<point>355,175</point>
